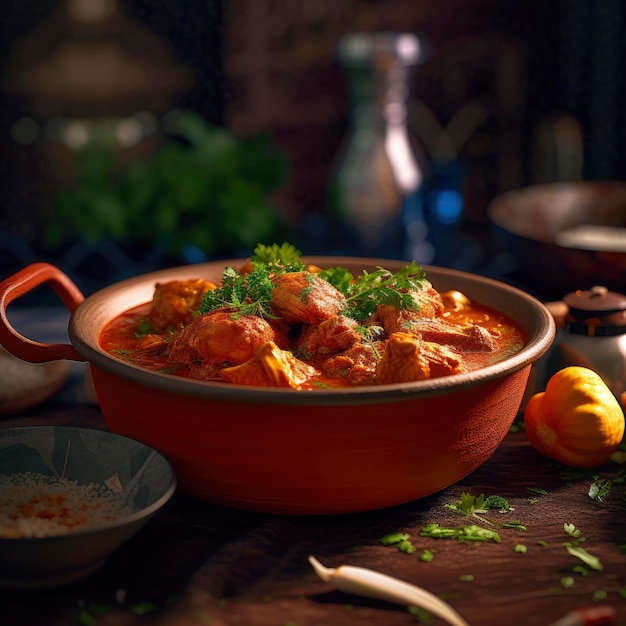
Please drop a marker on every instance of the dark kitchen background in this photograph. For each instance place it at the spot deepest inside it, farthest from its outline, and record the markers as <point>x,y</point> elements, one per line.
<point>262,92</point>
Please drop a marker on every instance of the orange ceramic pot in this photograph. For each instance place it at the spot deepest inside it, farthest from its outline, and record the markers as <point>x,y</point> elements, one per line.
<point>287,451</point>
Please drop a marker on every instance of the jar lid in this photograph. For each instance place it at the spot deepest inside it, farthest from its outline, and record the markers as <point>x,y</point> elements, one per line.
<point>596,312</point>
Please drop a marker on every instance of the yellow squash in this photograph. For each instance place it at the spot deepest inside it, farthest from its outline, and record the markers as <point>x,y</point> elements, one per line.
<point>577,420</point>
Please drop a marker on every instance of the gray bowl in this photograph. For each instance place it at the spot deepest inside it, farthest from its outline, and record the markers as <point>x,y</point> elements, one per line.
<point>142,478</point>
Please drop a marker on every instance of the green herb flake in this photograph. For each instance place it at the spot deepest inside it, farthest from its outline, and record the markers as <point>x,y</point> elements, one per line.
<point>567,582</point>
<point>467,533</point>
<point>521,548</point>
<point>406,546</point>
<point>497,503</point>
<point>427,556</point>
<point>580,569</point>
<point>572,531</point>
<point>542,542</point>
<point>466,578</point>
<point>599,595</point>
<point>392,538</point>
<point>477,533</point>
<point>599,489</point>
<point>143,328</point>
<point>538,490</point>
<point>589,560</point>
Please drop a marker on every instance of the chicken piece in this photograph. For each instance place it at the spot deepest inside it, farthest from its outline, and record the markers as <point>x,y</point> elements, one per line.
<point>304,298</point>
<point>329,336</point>
<point>270,367</point>
<point>430,305</point>
<point>402,361</point>
<point>204,371</point>
<point>468,337</point>
<point>357,365</point>
<point>407,359</point>
<point>395,320</point>
<point>222,337</point>
<point>465,337</point>
<point>442,360</point>
<point>174,303</point>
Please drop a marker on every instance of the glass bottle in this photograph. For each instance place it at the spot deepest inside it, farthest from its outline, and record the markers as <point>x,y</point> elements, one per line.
<point>376,191</point>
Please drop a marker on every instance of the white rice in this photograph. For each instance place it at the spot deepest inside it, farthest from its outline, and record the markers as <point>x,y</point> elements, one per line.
<point>34,505</point>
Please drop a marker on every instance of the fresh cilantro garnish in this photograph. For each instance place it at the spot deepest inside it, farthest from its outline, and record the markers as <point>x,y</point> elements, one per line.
<point>497,503</point>
<point>250,294</point>
<point>366,291</point>
<point>277,259</point>
<point>469,505</point>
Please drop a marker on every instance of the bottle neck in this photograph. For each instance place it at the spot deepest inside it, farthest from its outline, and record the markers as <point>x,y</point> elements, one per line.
<point>379,97</point>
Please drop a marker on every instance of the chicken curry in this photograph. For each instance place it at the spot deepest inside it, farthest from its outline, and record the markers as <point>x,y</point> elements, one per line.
<point>278,323</point>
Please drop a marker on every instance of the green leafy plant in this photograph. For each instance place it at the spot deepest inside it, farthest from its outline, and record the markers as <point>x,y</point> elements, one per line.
<point>203,187</point>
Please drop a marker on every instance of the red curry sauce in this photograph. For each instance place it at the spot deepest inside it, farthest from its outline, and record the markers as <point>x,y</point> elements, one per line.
<point>119,338</point>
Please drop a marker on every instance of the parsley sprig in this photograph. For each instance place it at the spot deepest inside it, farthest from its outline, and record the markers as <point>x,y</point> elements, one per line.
<point>277,259</point>
<point>367,290</point>
<point>251,293</point>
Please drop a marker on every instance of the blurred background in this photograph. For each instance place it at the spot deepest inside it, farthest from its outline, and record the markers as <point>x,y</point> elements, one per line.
<point>138,134</point>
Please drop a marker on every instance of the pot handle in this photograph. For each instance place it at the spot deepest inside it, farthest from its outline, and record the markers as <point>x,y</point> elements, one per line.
<point>21,283</point>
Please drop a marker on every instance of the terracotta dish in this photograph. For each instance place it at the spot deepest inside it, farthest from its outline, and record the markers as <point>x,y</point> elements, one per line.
<point>290,451</point>
<point>565,236</point>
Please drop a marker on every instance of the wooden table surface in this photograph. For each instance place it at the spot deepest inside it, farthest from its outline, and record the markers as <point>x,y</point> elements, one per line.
<point>197,563</point>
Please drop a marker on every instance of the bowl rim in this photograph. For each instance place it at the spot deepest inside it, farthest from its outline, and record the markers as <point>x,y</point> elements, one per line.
<point>84,328</point>
<point>127,520</point>
<point>533,198</point>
